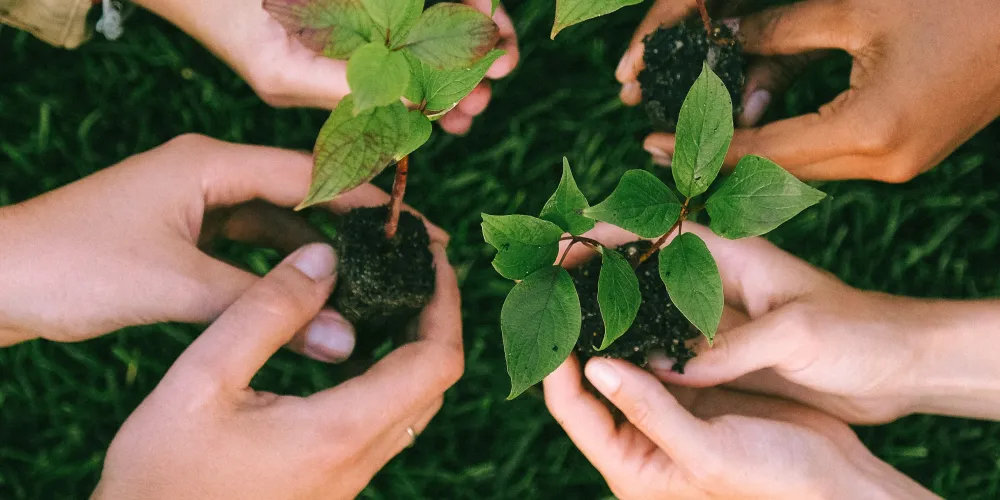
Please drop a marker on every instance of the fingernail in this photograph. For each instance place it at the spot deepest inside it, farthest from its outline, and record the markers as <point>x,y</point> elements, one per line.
<point>656,151</point>
<point>755,107</point>
<point>663,161</point>
<point>329,338</point>
<point>659,362</point>
<point>733,24</point>
<point>604,376</point>
<point>632,92</point>
<point>316,261</point>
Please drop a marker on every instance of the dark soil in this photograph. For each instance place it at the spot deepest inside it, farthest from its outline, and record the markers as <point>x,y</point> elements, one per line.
<point>659,325</point>
<point>382,285</point>
<point>674,58</point>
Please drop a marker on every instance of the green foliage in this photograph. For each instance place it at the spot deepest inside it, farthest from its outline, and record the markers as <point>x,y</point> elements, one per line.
<point>335,28</point>
<point>540,321</point>
<point>452,36</point>
<point>565,206</point>
<point>418,134</point>
<point>434,57</point>
<point>693,282</point>
<point>394,18</point>
<point>618,295</point>
<point>524,244</point>
<point>641,204</point>
<point>378,76</point>
<point>704,131</point>
<point>440,90</point>
<point>354,148</point>
<point>570,12</point>
<point>757,198</point>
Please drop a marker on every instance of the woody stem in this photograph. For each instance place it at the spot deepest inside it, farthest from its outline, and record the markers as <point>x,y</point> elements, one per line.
<point>396,203</point>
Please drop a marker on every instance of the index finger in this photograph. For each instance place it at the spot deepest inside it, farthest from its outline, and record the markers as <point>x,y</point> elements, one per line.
<point>413,376</point>
<point>663,12</point>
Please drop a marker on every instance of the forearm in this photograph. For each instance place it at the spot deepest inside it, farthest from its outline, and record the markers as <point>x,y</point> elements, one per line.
<point>957,367</point>
<point>10,332</point>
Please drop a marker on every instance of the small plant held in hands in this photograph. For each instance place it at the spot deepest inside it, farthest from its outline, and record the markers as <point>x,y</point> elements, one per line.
<point>395,49</point>
<point>542,321</point>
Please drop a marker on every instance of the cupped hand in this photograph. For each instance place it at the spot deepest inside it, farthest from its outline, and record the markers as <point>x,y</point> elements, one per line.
<point>712,443</point>
<point>120,248</point>
<point>203,433</point>
<point>918,88</point>
<point>794,331</point>
<point>285,73</point>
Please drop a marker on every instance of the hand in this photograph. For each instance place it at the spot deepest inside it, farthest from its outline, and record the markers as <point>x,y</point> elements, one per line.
<point>724,445</point>
<point>119,248</point>
<point>203,433</point>
<point>917,89</point>
<point>284,72</point>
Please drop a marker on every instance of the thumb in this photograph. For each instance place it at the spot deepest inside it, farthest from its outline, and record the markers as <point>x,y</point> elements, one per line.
<point>769,77</point>
<point>264,319</point>
<point>652,409</point>
<point>763,343</point>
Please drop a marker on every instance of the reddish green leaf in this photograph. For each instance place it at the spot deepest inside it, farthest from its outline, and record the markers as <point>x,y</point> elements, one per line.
<point>333,27</point>
<point>452,36</point>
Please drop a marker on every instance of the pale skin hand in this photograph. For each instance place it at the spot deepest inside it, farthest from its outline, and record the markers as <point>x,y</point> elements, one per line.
<point>794,331</point>
<point>713,443</point>
<point>120,248</point>
<point>285,73</point>
<point>918,87</point>
<point>203,433</point>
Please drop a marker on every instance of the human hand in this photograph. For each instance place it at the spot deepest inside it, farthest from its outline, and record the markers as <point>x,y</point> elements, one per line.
<point>917,88</point>
<point>203,433</point>
<point>284,72</point>
<point>120,248</point>
<point>794,331</point>
<point>723,445</point>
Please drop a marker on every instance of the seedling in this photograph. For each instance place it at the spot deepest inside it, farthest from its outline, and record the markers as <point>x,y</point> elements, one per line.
<point>672,58</point>
<point>394,50</point>
<point>541,318</point>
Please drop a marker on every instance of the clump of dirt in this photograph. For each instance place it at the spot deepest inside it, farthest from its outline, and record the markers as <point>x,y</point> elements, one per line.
<point>382,285</point>
<point>658,325</point>
<point>674,57</point>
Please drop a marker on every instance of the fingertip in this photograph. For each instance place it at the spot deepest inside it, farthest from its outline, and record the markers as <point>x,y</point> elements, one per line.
<point>477,100</point>
<point>631,93</point>
<point>329,338</point>
<point>604,376</point>
<point>456,123</point>
<point>504,65</point>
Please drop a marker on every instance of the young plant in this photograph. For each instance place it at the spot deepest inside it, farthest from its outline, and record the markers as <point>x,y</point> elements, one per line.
<point>571,12</point>
<point>395,49</point>
<point>541,318</point>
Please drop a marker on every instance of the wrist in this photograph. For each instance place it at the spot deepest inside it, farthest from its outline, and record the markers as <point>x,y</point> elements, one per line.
<point>956,370</point>
<point>877,480</point>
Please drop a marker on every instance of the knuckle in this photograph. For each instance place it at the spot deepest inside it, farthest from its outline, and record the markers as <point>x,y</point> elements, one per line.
<point>283,297</point>
<point>268,83</point>
<point>189,140</point>
<point>899,171</point>
<point>881,136</point>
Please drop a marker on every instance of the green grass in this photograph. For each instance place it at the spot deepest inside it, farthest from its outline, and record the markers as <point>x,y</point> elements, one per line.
<point>64,115</point>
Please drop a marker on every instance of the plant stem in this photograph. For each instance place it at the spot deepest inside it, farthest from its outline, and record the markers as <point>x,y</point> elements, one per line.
<point>663,239</point>
<point>705,19</point>
<point>396,203</point>
<point>573,240</point>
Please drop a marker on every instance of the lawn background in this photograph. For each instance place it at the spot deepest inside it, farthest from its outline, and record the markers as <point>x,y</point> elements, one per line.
<point>64,115</point>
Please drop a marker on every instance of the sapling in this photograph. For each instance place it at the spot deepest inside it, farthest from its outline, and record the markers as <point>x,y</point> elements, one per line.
<point>677,288</point>
<point>673,56</point>
<point>395,50</point>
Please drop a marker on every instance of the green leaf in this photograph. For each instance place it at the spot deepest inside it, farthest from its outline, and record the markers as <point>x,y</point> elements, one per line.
<point>524,244</point>
<point>693,282</point>
<point>641,204</point>
<point>440,90</point>
<point>352,149</point>
<point>394,18</point>
<point>493,8</point>
<point>335,28</point>
<point>570,12</point>
<point>418,134</point>
<point>565,205</point>
<point>704,132</point>
<point>757,198</point>
<point>617,294</point>
<point>452,36</point>
<point>540,321</point>
<point>377,76</point>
